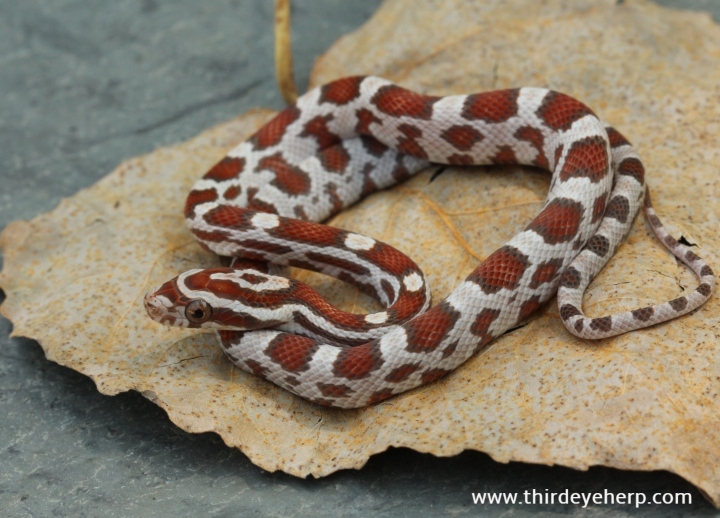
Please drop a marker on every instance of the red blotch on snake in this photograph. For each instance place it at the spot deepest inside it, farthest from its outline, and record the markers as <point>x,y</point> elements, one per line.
<point>461,137</point>
<point>197,198</point>
<point>333,391</point>
<point>357,362</point>
<point>502,269</point>
<point>632,167</point>
<point>398,102</point>
<point>292,352</point>
<point>528,308</point>
<point>409,144</point>
<point>587,158</point>
<point>334,159</point>
<point>317,128</point>
<point>616,139</point>
<point>231,192</point>
<point>288,178</point>
<point>559,221</point>
<point>560,111</point>
<point>546,272</point>
<point>598,208</point>
<point>427,331</point>
<point>491,107</point>
<point>341,91</point>
<point>401,373</point>
<point>433,375</point>
<point>229,216</point>
<point>226,169</point>
<point>364,118</point>
<point>535,137</point>
<point>272,133</point>
<point>460,159</point>
<point>504,155</point>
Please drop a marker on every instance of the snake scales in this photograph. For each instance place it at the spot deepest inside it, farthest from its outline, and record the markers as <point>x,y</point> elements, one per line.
<point>353,136</point>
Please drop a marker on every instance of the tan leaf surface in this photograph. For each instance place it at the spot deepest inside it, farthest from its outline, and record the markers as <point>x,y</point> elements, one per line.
<point>75,277</point>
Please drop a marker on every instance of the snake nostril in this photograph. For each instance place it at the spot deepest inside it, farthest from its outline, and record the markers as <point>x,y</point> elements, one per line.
<point>152,305</point>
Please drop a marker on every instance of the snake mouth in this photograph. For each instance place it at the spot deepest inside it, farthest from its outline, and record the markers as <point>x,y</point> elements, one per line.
<point>161,311</point>
<point>153,306</point>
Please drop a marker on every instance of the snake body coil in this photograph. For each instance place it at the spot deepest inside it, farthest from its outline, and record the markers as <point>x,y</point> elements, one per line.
<point>353,136</point>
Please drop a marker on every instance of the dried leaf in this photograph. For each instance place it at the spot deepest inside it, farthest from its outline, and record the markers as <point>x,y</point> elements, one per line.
<point>75,277</point>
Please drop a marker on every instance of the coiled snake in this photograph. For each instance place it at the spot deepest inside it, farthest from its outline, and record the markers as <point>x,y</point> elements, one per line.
<point>353,136</point>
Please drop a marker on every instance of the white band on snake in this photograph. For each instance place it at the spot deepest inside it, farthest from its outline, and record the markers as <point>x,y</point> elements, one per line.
<point>356,135</point>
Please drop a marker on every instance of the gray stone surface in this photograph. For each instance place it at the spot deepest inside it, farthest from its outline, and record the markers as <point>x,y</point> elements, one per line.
<point>85,84</point>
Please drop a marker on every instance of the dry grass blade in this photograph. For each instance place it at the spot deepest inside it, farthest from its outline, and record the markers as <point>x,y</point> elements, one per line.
<point>283,52</point>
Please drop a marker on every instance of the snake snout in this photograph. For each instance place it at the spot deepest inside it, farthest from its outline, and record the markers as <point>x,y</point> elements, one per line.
<point>154,307</point>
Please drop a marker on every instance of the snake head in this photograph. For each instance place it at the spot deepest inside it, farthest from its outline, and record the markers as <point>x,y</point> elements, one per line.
<point>220,298</point>
<point>165,305</point>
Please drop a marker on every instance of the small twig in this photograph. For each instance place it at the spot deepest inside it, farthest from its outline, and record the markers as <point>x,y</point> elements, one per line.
<point>283,52</point>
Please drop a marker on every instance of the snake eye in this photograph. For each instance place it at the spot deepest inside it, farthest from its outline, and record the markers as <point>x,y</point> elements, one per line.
<point>198,311</point>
